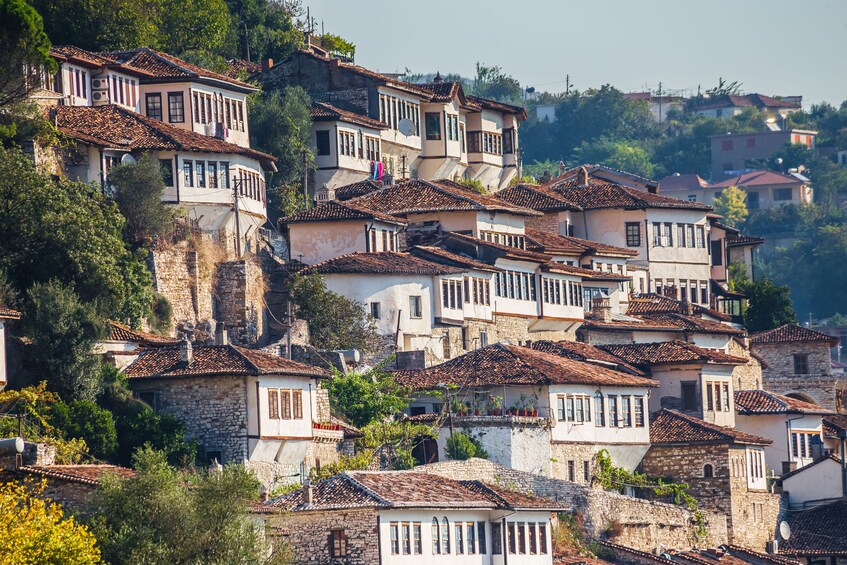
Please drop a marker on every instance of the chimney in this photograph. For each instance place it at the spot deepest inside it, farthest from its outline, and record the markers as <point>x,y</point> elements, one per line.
<point>308,492</point>
<point>438,79</point>
<point>561,168</point>
<point>267,64</point>
<point>582,177</point>
<point>602,308</point>
<point>186,352</point>
<point>221,337</point>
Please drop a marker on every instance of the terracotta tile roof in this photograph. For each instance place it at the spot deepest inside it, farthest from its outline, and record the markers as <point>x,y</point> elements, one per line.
<point>405,489</point>
<point>120,332</point>
<point>417,196</point>
<point>652,303</point>
<point>9,314</point>
<point>537,197</point>
<point>819,531</point>
<point>765,402</point>
<point>757,178</point>
<point>673,183</point>
<point>549,242</point>
<point>116,127</point>
<point>334,211</point>
<point>792,333</point>
<point>641,556</point>
<point>562,268</point>
<point>238,67</point>
<point>672,427</point>
<point>355,189</point>
<point>508,252</point>
<point>694,324</point>
<point>747,100</point>
<point>834,423</point>
<point>501,364</point>
<point>444,91</point>
<point>445,257</point>
<point>626,323</point>
<point>216,360</point>
<point>162,66</point>
<point>82,57</point>
<point>85,474</point>
<point>645,355</point>
<point>488,104</point>
<point>756,556</point>
<point>323,112</point>
<point>384,262</point>
<point>733,240</point>
<point>583,352</point>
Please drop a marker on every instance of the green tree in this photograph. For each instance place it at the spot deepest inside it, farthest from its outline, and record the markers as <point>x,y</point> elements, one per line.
<point>194,25</point>
<point>85,420</point>
<point>461,446</point>
<point>363,398</point>
<point>769,305</point>
<point>337,45</point>
<point>63,330</point>
<point>164,515</point>
<point>493,83</point>
<point>24,51</point>
<point>335,322</point>
<point>138,189</point>
<point>630,156</point>
<point>732,205</point>
<point>264,28</point>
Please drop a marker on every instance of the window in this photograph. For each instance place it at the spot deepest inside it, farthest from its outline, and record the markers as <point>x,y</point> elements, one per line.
<point>586,470</point>
<point>167,168</point>
<point>513,540</point>
<point>436,546</point>
<point>375,310</point>
<point>571,471</point>
<point>689,235</point>
<point>542,538</point>
<point>680,234</point>
<point>692,198</point>
<point>710,403</point>
<point>570,408</point>
<point>689,396</point>
<point>726,397</point>
<point>782,195</point>
<point>613,411</point>
<point>701,237</point>
<point>432,122</point>
<point>533,540</point>
<point>407,539</point>
<point>639,411</point>
<point>633,234</point>
<point>445,536</point>
<point>346,143</point>
<point>509,141</point>
<point>418,540</point>
<point>322,142</point>
<point>752,200</point>
<point>285,400</point>
<point>338,543</point>
<point>704,292</point>
<point>751,142</point>
<point>474,141</point>
<point>708,471</point>
<point>176,108</point>
<point>667,237</point>
<point>480,536</point>
<point>626,415</point>
<point>297,403</point>
<point>560,403</point>
<point>395,538</point>
<point>273,404</point>
<point>460,540</point>
<point>415,307</point>
<point>801,364</point>
<point>201,174</point>
<point>470,529</point>
<point>521,538</point>
<point>599,412</point>
<point>371,148</point>
<point>188,171</point>
<point>726,144</point>
<point>148,397</point>
<point>717,253</point>
<point>154,105</point>
<point>224,174</point>
<point>496,538</point>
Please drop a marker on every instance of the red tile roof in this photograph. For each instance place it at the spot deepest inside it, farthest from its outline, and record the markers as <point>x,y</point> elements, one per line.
<point>675,183</point>
<point>536,197</point>
<point>669,352</point>
<point>733,240</point>
<point>321,112</point>
<point>405,489</point>
<point>444,92</point>
<point>562,268</point>
<point>120,332</point>
<point>834,423</point>
<point>334,211</point>
<point>627,323</point>
<point>162,66</point>
<point>383,263</point>
<point>216,360</point>
<point>417,196</point>
<point>694,324</point>
<point>508,252</point>
<point>548,242</point>
<point>445,257</point>
<point>116,127</point>
<point>792,333</point>
<point>84,58</point>
<point>765,402</point>
<point>757,178</point>
<point>819,531</point>
<point>235,68</point>
<point>652,303</point>
<point>85,474</point>
<point>583,352</point>
<point>355,189</point>
<point>672,427</point>
<point>501,364</point>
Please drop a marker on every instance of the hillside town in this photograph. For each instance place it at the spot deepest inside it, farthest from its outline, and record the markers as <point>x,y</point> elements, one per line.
<point>283,308</point>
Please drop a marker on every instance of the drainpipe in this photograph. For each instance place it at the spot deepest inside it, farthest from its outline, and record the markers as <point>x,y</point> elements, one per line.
<point>788,427</point>
<point>379,539</point>
<point>102,171</point>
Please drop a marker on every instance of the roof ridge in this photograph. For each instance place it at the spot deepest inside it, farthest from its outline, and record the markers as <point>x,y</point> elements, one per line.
<point>367,490</point>
<point>241,354</point>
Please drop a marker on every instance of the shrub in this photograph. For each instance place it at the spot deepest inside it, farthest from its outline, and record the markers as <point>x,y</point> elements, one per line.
<point>461,446</point>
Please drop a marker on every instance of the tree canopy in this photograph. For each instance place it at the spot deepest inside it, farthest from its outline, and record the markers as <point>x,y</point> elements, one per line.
<point>732,205</point>
<point>363,398</point>
<point>24,46</point>
<point>138,189</point>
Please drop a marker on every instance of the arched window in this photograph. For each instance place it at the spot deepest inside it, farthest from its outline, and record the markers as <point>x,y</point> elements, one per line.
<point>708,471</point>
<point>445,536</point>
<point>436,545</point>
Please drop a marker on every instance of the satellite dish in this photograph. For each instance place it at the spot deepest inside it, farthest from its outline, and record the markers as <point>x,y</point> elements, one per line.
<point>127,159</point>
<point>784,530</point>
<point>407,127</point>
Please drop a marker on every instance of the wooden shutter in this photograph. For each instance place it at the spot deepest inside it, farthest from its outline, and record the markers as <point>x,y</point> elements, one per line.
<point>285,396</point>
<point>297,397</point>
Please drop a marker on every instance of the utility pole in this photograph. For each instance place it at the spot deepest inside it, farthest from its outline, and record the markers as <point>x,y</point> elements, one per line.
<point>288,321</point>
<point>660,101</point>
<point>306,178</point>
<point>567,84</point>
<point>235,185</point>
<point>247,40</point>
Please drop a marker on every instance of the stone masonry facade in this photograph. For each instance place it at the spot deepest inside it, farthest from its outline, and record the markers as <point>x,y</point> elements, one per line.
<point>239,301</point>
<point>749,375</point>
<point>307,534</point>
<point>176,276</point>
<point>820,385</point>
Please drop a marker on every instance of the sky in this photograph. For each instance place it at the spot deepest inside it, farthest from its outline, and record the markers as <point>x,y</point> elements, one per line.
<point>774,47</point>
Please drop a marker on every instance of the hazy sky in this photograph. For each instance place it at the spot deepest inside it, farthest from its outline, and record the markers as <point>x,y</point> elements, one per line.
<point>783,47</point>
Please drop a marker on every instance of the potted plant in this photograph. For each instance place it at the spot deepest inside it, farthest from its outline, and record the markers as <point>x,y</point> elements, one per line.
<point>461,408</point>
<point>494,406</point>
<point>513,410</point>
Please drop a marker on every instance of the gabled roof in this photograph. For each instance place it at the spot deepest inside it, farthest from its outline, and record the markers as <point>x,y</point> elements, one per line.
<point>819,531</point>
<point>120,332</point>
<point>757,178</point>
<point>537,197</point>
<point>84,474</point>
<point>549,242</point>
<point>765,402</point>
<point>564,269</point>
<point>580,351</point>
<point>738,240</point>
<point>831,457</point>
<point>405,489</point>
<point>167,68</point>
<point>652,303</point>
<point>646,355</point>
<point>694,324</point>
<point>89,59</point>
<point>445,257</point>
<point>383,263</point>
<point>334,211</point>
<point>754,100</point>
<point>626,323</point>
<point>501,364</point>
<point>355,189</point>
<point>115,127</point>
<point>792,333</point>
<point>444,92</point>
<point>505,251</point>
<point>216,360</point>
<point>418,196</point>
<point>834,423</point>
<point>323,112</point>
<point>477,102</point>
<point>670,427</point>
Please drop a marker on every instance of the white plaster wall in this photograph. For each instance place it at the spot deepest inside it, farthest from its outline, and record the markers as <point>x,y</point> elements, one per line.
<point>774,427</point>
<point>321,241</point>
<point>258,420</point>
<point>499,222</point>
<point>818,482</point>
<point>587,431</point>
<point>506,305</point>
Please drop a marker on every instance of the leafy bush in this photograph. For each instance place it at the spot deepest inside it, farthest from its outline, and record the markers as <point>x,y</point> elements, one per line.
<point>473,184</point>
<point>83,419</point>
<point>138,189</point>
<point>462,446</point>
<point>369,397</point>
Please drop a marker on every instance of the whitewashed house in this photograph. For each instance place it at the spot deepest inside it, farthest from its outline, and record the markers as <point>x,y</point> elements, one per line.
<point>401,517</point>
<point>7,316</point>
<point>814,484</point>
<point>535,411</point>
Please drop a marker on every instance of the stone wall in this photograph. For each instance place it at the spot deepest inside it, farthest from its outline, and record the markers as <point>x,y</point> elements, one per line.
<point>547,222</point>
<point>749,375</point>
<point>214,410</point>
<point>820,385</point>
<point>643,524</point>
<point>307,534</point>
<point>239,300</point>
<point>176,276</point>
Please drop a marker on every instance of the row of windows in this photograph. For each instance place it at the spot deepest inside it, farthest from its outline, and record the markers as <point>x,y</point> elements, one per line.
<point>452,127</point>
<point>502,238</point>
<point>717,397</point>
<point>415,308</point>
<point>251,185</point>
<point>624,411</point>
<point>686,290</point>
<point>515,285</point>
<point>468,538</point>
<point>757,464</point>
<point>393,109</point>
<point>388,239</point>
<point>213,108</point>
<point>176,107</point>
<point>290,401</point>
<point>123,91</point>
<point>365,147</point>
<point>688,235</point>
<point>523,538</point>
<point>801,443</point>
<point>492,143</point>
<point>79,82</point>
<point>203,174</point>
<point>567,293</point>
